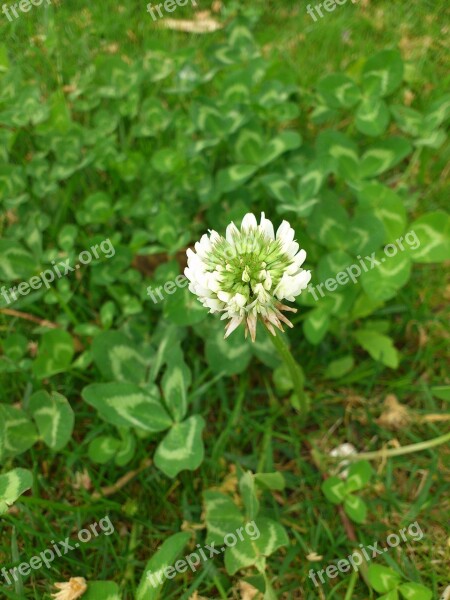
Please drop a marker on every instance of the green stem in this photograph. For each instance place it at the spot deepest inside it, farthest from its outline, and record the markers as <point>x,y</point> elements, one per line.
<point>294,370</point>
<point>400,451</point>
<point>231,425</point>
<point>351,587</point>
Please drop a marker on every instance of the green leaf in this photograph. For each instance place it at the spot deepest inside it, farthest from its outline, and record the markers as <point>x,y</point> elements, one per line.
<point>103,448</point>
<point>380,347</point>
<point>263,349</point>
<point>116,79</point>
<point>431,139</point>
<point>311,182</point>
<point>382,579</point>
<point>182,447</point>
<point>233,177</point>
<point>17,263</point>
<point>222,516</point>
<point>282,379</point>
<point>329,224</point>
<point>433,234</point>
<point>338,91</point>
<point>153,119</point>
<point>342,150</point>
<point>366,233</point>
<point>127,405</point>
<point>249,552</point>
<point>372,116</point>
<point>174,390</point>
<point>409,120</point>
<point>12,485</point>
<point>15,346</point>
<point>340,367</point>
<point>383,281</point>
<point>383,73</point>
<point>331,263</point>
<point>355,508</point>
<point>67,237</point>
<point>54,418</point>
<point>442,392</point>
<point>165,557</point>
<point>383,156</point>
<point>127,448</point>
<point>334,490</point>
<point>392,595</point>
<point>279,188</point>
<point>183,308</point>
<point>17,432</point>
<point>270,481</point>
<point>168,340</point>
<point>249,146</point>
<point>167,160</point>
<point>229,356</point>
<point>107,314</point>
<point>118,358</point>
<point>12,185</point>
<point>415,591</point>
<point>386,205</point>
<point>359,474</point>
<point>97,208</point>
<point>287,140</point>
<point>247,489</point>
<point>4,61</point>
<point>106,590</point>
<point>316,324</point>
<point>55,354</point>
<point>439,112</point>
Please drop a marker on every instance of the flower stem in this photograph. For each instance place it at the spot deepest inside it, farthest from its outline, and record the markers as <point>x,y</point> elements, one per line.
<point>411,448</point>
<point>294,370</point>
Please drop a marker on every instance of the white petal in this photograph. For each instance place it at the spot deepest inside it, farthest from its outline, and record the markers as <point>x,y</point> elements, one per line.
<point>285,234</point>
<point>240,300</point>
<point>267,280</point>
<point>292,249</point>
<point>232,232</point>
<point>251,324</point>
<point>224,296</point>
<point>214,236</point>
<point>249,222</point>
<point>285,287</point>
<point>213,304</point>
<point>232,325</point>
<point>300,282</point>
<point>203,247</point>
<point>267,227</point>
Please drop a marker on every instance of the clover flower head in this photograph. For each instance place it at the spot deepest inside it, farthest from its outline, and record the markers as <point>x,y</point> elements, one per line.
<point>246,274</point>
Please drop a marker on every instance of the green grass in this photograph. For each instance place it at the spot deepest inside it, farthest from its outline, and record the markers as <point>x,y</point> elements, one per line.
<point>247,424</point>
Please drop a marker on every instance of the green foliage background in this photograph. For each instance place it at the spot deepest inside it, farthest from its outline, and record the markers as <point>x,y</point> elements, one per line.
<point>114,128</point>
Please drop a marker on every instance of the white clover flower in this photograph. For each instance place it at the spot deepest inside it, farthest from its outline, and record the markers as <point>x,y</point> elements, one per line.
<point>247,273</point>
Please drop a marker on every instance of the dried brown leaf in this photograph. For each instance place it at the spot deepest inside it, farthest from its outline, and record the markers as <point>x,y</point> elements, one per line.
<point>248,592</point>
<point>394,415</point>
<point>70,590</point>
